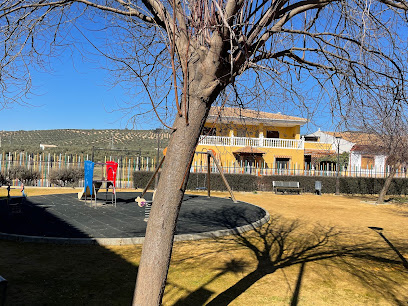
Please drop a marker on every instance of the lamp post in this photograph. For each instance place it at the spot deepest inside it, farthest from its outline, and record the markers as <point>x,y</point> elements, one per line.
<point>338,166</point>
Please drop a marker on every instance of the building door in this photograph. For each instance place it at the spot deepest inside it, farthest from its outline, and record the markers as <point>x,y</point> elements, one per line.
<point>308,162</point>
<point>367,162</point>
<point>249,160</point>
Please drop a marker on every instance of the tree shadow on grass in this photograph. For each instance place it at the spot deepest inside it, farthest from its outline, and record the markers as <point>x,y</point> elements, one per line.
<point>50,274</point>
<point>46,274</point>
<point>281,243</point>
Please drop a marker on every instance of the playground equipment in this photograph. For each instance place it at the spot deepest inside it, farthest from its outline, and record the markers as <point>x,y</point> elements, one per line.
<point>142,202</point>
<point>146,204</point>
<point>91,186</point>
<point>210,154</point>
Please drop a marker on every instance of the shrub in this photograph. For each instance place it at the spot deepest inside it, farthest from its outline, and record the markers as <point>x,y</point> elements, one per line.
<point>3,179</point>
<point>264,183</point>
<point>141,178</point>
<point>240,182</point>
<point>24,175</point>
<point>66,177</point>
<point>199,180</point>
<point>246,182</point>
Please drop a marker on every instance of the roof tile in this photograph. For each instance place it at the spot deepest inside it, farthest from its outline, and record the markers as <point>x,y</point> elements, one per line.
<point>248,113</point>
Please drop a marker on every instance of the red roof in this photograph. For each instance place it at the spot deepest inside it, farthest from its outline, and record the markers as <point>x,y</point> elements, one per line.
<point>234,112</point>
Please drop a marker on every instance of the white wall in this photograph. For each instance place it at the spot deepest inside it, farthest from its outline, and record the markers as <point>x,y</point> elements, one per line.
<point>344,145</point>
<point>355,160</point>
<point>379,161</point>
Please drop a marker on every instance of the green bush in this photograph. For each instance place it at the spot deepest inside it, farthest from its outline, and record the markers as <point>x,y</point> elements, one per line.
<point>199,181</point>
<point>141,178</point>
<point>245,182</point>
<point>306,182</point>
<point>66,177</point>
<point>3,179</point>
<point>237,182</point>
<point>24,175</point>
<point>366,185</point>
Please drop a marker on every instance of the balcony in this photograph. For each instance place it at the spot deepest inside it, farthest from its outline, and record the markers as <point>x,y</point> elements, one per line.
<point>252,142</point>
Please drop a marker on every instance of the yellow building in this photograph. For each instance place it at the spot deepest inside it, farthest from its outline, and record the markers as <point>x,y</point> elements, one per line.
<point>243,138</point>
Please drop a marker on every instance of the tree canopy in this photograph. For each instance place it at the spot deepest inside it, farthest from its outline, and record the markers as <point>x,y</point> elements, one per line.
<point>285,45</point>
<point>205,52</point>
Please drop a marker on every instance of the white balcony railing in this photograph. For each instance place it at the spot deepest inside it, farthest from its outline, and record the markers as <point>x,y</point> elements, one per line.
<point>252,142</point>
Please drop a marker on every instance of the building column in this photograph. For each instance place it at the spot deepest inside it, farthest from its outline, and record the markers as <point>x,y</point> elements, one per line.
<point>261,135</point>
<point>231,135</point>
<point>261,139</point>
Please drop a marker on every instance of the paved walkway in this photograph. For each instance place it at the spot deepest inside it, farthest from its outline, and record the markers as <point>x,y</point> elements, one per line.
<point>62,218</point>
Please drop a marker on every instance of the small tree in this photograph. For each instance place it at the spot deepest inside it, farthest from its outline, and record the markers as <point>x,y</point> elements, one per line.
<point>66,177</point>
<point>23,174</point>
<point>382,119</point>
<point>3,179</point>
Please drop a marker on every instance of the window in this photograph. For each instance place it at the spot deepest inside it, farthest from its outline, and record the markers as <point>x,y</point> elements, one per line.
<point>308,162</point>
<point>209,131</point>
<point>312,138</point>
<point>282,163</point>
<point>272,134</point>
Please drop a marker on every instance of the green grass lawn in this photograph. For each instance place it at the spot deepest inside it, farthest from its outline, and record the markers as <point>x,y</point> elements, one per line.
<point>314,251</point>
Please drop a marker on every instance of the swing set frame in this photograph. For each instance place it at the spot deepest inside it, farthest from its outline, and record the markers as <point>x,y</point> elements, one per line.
<point>210,155</point>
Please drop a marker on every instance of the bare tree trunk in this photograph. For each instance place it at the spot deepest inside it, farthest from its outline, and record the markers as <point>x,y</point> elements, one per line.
<point>161,226</point>
<point>387,184</point>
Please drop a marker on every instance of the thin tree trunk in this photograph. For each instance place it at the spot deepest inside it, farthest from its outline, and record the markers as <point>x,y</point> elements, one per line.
<point>387,184</point>
<point>161,226</point>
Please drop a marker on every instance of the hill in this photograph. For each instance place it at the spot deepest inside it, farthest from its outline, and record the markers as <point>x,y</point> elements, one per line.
<point>77,141</point>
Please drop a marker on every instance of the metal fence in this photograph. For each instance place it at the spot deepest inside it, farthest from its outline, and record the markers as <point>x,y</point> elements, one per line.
<point>46,163</point>
<point>297,171</point>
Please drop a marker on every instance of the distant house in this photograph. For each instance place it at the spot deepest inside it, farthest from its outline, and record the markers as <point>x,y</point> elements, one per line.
<point>46,146</point>
<point>321,147</point>
<point>367,157</point>
<point>243,137</point>
<point>343,141</point>
<point>364,154</point>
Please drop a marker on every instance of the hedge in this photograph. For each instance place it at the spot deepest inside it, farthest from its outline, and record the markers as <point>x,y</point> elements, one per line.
<point>141,178</point>
<point>199,181</point>
<point>244,182</point>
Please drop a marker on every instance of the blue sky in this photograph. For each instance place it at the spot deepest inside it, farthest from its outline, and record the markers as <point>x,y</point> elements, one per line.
<point>78,97</point>
<point>69,97</point>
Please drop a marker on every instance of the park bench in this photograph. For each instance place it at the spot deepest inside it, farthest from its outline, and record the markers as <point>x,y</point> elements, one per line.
<point>288,186</point>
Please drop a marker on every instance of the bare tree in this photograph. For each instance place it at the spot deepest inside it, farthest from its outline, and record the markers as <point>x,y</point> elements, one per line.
<point>204,52</point>
<point>382,118</point>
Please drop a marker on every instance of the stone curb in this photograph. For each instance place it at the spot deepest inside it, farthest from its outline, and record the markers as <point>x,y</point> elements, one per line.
<point>136,240</point>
